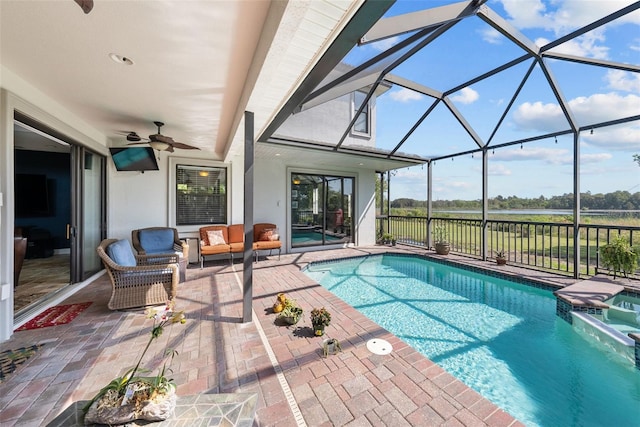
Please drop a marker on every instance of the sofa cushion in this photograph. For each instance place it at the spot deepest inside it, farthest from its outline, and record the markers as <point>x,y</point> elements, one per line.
<point>121,253</point>
<point>236,233</point>
<point>262,245</point>
<point>157,241</point>
<point>216,237</point>
<point>267,235</point>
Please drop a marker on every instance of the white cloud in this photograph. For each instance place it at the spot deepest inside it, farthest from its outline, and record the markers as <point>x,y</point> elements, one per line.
<point>596,108</point>
<point>465,96</point>
<point>562,17</point>
<point>528,13</point>
<point>405,95</point>
<point>623,80</point>
<point>497,169</point>
<point>601,107</point>
<point>594,158</point>
<point>491,36</point>
<point>586,45</point>
<point>385,44</point>
<point>412,174</point>
<point>554,156</point>
<point>539,116</point>
<point>625,137</point>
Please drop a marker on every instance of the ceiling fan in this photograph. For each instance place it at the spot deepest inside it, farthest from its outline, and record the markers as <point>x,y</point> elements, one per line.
<point>158,141</point>
<point>86,5</point>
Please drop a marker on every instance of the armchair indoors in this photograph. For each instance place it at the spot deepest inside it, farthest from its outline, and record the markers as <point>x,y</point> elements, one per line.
<point>136,281</point>
<point>164,244</point>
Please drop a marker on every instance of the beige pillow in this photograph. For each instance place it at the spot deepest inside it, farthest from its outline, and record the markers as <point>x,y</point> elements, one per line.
<point>215,238</point>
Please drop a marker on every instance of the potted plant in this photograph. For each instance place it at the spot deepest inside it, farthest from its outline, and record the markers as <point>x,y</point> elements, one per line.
<point>281,300</point>
<point>133,397</point>
<point>388,238</point>
<point>440,237</point>
<point>501,258</point>
<point>619,256</point>
<point>320,318</point>
<point>291,313</point>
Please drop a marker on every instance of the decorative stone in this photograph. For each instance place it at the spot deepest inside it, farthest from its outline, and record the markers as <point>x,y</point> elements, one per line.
<point>158,409</point>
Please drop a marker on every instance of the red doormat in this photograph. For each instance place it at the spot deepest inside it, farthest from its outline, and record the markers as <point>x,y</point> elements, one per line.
<point>58,315</point>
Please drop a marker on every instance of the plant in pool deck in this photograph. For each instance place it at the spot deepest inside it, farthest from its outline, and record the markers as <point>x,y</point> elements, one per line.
<point>132,396</point>
<point>501,258</point>
<point>291,313</point>
<point>440,239</point>
<point>619,256</point>
<point>387,238</point>
<point>320,318</point>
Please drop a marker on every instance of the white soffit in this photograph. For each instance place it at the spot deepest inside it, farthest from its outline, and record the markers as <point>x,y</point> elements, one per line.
<point>303,35</point>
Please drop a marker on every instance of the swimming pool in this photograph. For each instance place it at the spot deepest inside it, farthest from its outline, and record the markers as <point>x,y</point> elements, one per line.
<point>306,237</point>
<point>500,338</point>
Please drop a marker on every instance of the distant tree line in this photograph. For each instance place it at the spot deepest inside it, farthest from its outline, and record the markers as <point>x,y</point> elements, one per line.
<point>618,200</point>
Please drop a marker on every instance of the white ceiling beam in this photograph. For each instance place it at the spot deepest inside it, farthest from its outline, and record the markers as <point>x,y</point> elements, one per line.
<point>401,24</point>
<point>409,84</point>
<point>465,124</point>
<point>351,85</point>
<point>592,61</point>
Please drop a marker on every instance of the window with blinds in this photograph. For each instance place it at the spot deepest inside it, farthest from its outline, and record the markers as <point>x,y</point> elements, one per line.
<point>201,195</point>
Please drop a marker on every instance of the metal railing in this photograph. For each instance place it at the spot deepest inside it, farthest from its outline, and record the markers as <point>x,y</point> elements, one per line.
<point>539,245</point>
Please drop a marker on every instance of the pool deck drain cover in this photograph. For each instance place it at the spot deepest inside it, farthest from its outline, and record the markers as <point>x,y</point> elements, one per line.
<point>379,347</point>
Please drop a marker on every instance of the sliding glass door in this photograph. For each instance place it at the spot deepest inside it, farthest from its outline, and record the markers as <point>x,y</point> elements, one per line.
<point>321,210</point>
<point>91,214</point>
<point>60,201</point>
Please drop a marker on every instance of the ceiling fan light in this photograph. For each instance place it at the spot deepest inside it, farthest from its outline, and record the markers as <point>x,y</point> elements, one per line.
<point>159,145</point>
<point>120,59</point>
<point>203,173</point>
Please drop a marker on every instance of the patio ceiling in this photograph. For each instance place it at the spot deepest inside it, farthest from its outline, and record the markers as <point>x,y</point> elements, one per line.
<point>433,73</point>
<point>197,65</point>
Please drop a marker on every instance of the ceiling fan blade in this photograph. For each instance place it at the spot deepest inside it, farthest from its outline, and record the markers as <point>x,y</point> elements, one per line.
<point>86,5</point>
<point>169,148</point>
<point>184,146</point>
<point>138,143</point>
<point>161,138</point>
<point>132,136</point>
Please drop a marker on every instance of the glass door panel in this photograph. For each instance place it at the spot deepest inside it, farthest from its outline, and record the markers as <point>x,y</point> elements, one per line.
<point>321,209</point>
<point>92,212</point>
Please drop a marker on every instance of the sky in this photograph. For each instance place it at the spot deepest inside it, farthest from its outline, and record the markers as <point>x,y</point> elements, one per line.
<point>545,167</point>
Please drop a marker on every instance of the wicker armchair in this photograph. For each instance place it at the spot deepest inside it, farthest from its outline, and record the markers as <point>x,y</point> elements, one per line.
<point>161,242</point>
<point>142,284</point>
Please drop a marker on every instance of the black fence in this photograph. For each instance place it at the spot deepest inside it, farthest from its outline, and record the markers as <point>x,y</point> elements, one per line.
<point>540,245</point>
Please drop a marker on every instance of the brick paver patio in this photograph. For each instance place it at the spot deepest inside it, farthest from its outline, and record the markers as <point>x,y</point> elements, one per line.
<point>218,353</point>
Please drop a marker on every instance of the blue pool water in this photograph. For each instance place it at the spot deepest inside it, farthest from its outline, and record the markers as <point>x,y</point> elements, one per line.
<point>302,237</point>
<point>500,338</point>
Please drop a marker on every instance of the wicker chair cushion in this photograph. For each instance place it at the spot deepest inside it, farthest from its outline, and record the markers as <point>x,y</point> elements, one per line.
<point>120,252</point>
<point>157,241</point>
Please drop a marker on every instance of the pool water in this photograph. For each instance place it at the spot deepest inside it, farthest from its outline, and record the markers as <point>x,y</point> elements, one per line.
<point>302,237</point>
<point>502,339</point>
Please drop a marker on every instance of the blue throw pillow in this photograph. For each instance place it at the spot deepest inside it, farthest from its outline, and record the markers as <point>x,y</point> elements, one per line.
<point>157,241</point>
<point>120,252</point>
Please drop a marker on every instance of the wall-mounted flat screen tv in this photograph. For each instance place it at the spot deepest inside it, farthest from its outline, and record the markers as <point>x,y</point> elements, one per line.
<point>33,193</point>
<point>134,158</point>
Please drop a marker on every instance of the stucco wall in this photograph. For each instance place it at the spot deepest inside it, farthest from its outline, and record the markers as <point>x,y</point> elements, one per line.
<point>327,122</point>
